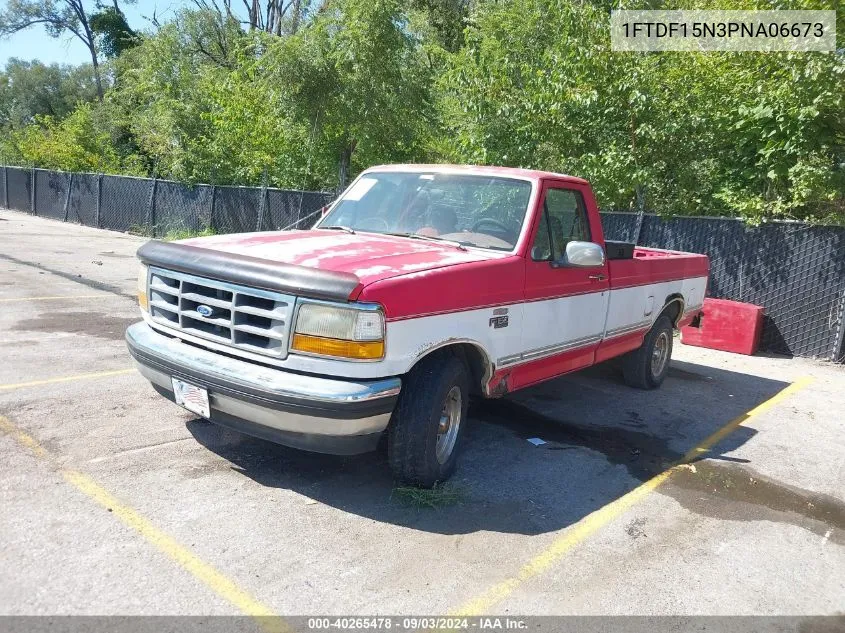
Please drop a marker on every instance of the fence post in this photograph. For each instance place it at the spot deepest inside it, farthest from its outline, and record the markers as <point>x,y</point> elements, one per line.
<point>211,210</point>
<point>5,186</point>
<point>640,213</point>
<point>838,355</point>
<point>98,203</point>
<point>151,213</point>
<point>32,193</point>
<point>262,196</point>
<point>67,195</point>
<point>261,200</point>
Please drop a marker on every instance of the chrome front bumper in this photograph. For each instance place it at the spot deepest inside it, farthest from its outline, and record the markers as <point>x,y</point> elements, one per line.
<point>316,413</point>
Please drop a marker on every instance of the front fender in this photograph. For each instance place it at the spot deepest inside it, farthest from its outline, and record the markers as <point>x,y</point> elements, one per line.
<point>493,334</point>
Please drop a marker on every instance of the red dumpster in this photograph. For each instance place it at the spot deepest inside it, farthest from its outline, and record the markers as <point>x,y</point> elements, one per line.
<point>730,326</point>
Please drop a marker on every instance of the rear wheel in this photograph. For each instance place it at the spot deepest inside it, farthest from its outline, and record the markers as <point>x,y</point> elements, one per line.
<point>427,425</point>
<point>646,367</point>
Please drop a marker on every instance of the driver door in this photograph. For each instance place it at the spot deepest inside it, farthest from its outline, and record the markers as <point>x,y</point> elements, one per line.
<point>565,305</point>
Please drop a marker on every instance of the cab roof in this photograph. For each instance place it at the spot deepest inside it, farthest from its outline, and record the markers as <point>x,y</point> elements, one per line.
<point>480,170</point>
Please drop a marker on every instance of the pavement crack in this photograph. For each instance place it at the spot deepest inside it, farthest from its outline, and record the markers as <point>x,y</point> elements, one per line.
<point>139,449</point>
<point>90,283</point>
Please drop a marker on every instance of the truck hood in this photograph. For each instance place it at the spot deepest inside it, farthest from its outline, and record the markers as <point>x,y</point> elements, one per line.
<point>369,256</point>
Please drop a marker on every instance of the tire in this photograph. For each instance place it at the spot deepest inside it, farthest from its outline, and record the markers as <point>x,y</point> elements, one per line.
<point>646,367</point>
<point>419,450</point>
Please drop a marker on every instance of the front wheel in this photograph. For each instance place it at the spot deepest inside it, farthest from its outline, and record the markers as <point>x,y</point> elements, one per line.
<point>427,425</point>
<point>646,367</point>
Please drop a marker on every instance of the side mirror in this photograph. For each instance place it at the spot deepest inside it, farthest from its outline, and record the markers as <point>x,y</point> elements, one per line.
<point>581,255</point>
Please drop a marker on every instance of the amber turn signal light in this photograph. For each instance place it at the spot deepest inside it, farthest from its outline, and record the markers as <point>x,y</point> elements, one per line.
<point>143,300</point>
<point>356,350</point>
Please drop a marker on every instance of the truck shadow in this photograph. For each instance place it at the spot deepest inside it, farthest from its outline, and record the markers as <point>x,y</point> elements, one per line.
<point>600,440</point>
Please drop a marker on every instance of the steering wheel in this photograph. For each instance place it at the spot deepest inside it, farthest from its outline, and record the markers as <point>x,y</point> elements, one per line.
<point>373,220</point>
<point>499,225</point>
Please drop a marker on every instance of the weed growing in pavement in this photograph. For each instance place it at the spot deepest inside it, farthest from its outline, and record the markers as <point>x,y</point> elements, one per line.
<point>439,496</point>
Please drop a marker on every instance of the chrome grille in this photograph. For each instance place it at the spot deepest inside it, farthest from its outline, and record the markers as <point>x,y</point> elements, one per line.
<point>248,319</point>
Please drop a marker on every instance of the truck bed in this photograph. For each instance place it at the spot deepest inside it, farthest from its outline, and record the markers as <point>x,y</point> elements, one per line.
<point>651,265</point>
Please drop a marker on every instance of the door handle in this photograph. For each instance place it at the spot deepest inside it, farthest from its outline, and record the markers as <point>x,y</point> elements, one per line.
<point>599,277</point>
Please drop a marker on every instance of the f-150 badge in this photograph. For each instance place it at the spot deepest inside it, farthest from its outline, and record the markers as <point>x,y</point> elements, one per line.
<point>499,318</point>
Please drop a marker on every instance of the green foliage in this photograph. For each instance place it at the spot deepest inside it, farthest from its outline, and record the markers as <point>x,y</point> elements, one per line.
<point>208,102</point>
<point>447,19</point>
<point>357,75</point>
<point>196,104</point>
<point>529,83</point>
<point>184,234</point>
<point>75,143</point>
<point>749,134</point>
<point>439,496</point>
<point>113,31</point>
<point>30,89</point>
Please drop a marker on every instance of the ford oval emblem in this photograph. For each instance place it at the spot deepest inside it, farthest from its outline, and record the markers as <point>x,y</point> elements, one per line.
<point>205,310</point>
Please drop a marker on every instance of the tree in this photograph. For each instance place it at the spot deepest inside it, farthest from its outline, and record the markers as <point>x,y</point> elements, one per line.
<point>357,75</point>
<point>75,143</point>
<point>31,89</point>
<point>755,135</point>
<point>304,93</point>
<point>113,31</point>
<point>447,18</point>
<point>206,101</point>
<point>58,17</point>
<point>277,17</point>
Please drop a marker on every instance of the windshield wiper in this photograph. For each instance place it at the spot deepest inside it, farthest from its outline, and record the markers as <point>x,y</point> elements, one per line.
<point>430,238</point>
<point>337,227</point>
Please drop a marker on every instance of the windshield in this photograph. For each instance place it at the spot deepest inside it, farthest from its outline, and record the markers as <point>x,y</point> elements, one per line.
<point>481,211</point>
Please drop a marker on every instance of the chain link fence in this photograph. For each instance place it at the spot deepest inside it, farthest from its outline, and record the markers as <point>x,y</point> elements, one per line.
<point>796,271</point>
<point>158,208</point>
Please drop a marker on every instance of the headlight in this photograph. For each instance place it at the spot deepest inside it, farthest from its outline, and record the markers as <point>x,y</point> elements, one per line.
<point>329,330</point>
<point>142,289</point>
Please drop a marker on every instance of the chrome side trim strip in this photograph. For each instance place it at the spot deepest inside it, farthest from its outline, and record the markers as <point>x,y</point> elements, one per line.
<point>548,350</point>
<point>557,348</point>
<point>627,329</point>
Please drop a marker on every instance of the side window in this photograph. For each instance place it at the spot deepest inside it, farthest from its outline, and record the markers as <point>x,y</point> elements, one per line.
<point>542,249</point>
<point>564,220</point>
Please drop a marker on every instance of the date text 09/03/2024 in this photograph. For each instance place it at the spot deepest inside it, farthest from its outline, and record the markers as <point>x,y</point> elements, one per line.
<point>417,623</point>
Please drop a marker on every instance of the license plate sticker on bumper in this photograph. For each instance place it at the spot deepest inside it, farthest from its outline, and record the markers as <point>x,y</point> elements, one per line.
<point>193,398</point>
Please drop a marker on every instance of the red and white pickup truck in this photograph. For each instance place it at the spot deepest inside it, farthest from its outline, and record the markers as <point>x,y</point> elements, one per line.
<point>420,287</point>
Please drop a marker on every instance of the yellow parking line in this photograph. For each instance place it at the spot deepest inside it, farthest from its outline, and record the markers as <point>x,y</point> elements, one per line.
<point>50,381</point>
<point>55,298</point>
<point>22,438</point>
<point>199,569</point>
<point>590,524</point>
<point>216,581</point>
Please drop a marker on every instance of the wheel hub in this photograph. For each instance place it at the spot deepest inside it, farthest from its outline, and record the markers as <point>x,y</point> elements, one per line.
<point>660,354</point>
<point>449,425</point>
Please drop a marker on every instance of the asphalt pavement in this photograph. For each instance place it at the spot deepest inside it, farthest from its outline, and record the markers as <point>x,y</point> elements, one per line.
<point>722,493</point>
